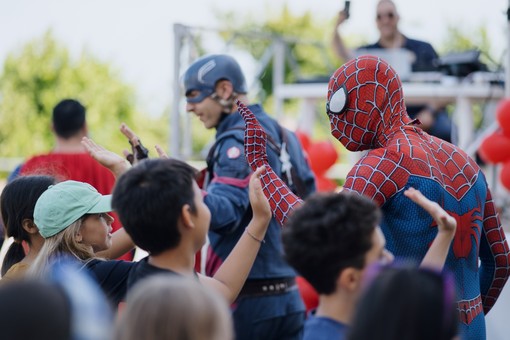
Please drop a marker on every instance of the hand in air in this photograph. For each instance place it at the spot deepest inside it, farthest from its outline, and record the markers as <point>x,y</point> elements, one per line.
<point>138,151</point>
<point>258,201</point>
<point>105,157</point>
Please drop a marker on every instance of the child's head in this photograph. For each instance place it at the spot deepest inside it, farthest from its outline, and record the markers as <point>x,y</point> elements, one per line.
<point>157,200</point>
<point>17,208</point>
<point>174,307</point>
<point>407,303</point>
<point>66,303</point>
<point>72,217</point>
<point>332,236</point>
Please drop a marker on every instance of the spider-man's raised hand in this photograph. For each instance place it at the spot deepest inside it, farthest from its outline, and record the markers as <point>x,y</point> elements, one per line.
<point>281,198</point>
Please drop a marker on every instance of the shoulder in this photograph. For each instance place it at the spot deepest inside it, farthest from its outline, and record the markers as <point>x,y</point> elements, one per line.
<point>414,44</point>
<point>102,268</point>
<point>369,46</point>
<point>323,328</point>
<point>17,271</point>
<point>379,174</point>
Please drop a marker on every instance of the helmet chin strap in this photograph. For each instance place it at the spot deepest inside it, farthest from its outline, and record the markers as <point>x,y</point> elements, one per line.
<point>226,104</point>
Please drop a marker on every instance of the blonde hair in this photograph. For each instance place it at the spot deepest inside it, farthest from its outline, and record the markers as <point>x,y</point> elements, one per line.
<point>172,307</point>
<point>62,244</point>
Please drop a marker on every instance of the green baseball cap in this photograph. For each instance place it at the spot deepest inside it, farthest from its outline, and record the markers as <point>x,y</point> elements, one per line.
<point>66,202</point>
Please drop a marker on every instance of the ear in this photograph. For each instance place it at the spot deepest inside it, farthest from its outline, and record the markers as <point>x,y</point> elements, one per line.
<point>350,279</point>
<point>224,89</point>
<point>79,237</point>
<point>186,216</point>
<point>29,226</point>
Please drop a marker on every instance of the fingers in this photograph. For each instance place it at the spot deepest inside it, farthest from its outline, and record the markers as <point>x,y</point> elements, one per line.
<point>161,152</point>
<point>258,172</point>
<point>90,145</point>
<point>129,156</point>
<point>417,197</point>
<point>131,136</point>
<point>444,220</point>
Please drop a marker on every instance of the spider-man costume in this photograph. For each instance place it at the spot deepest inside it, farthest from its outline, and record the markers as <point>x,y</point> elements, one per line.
<point>366,109</point>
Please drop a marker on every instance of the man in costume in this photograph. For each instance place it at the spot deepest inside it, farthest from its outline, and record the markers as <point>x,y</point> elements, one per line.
<point>365,106</point>
<point>269,305</point>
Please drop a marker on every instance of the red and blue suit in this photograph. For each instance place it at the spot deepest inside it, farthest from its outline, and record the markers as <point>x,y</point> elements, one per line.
<point>365,106</point>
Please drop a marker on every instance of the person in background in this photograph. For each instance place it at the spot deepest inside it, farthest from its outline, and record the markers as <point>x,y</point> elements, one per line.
<point>69,160</point>
<point>17,208</point>
<point>64,304</point>
<point>433,120</point>
<point>406,303</point>
<point>269,305</point>
<point>174,308</point>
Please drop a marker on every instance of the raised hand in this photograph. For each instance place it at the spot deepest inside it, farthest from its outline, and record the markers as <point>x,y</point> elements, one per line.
<point>161,152</point>
<point>281,199</point>
<point>446,226</point>
<point>138,151</point>
<point>106,158</point>
<point>259,203</point>
<point>445,222</point>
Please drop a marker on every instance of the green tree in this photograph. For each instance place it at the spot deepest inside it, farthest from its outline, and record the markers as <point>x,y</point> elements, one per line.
<point>306,39</point>
<point>36,78</point>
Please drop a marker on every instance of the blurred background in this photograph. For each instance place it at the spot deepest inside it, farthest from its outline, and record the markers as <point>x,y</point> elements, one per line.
<point>121,59</point>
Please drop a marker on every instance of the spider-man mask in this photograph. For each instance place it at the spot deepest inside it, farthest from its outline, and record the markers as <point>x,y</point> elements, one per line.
<point>365,103</point>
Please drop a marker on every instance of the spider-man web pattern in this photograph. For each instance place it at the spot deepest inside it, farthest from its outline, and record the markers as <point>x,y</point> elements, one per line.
<point>366,109</point>
<point>281,198</point>
<point>365,105</point>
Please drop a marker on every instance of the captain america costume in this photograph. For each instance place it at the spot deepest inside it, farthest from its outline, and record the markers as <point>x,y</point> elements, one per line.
<point>365,106</point>
<point>254,314</point>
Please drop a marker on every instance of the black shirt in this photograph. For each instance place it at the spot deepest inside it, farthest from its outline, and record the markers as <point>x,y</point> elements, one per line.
<point>143,269</point>
<point>112,276</point>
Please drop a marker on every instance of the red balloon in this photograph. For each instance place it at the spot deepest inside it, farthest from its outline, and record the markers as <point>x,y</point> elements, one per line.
<point>304,139</point>
<point>504,176</point>
<point>322,156</point>
<point>308,293</point>
<point>503,116</point>
<point>495,148</point>
<point>325,184</point>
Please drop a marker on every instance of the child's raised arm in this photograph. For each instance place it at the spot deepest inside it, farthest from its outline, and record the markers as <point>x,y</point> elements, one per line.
<point>231,276</point>
<point>446,226</point>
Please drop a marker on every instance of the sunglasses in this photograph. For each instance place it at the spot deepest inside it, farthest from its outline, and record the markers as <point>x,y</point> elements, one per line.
<point>390,15</point>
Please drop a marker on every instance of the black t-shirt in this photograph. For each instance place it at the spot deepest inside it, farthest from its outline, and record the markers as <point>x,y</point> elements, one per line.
<point>143,269</point>
<point>112,276</point>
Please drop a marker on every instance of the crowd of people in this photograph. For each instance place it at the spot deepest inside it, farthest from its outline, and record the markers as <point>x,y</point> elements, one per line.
<point>410,248</point>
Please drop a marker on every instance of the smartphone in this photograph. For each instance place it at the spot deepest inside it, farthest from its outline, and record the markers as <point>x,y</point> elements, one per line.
<point>347,6</point>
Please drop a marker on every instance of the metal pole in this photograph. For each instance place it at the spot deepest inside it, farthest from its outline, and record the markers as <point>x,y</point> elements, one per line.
<point>278,75</point>
<point>174,141</point>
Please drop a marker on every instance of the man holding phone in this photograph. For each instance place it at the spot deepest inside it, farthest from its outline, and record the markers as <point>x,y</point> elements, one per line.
<point>433,120</point>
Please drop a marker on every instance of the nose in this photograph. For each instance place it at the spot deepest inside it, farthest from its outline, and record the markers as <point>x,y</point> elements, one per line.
<point>190,107</point>
<point>109,219</point>
<point>388,256</point>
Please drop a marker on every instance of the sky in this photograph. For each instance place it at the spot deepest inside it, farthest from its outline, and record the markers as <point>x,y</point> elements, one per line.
<point>136,36</point>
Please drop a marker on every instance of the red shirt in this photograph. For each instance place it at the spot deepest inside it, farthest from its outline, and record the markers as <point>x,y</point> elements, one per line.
<point>74,166</point>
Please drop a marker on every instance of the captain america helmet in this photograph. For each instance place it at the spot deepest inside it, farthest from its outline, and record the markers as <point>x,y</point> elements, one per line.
<point>203,75</point>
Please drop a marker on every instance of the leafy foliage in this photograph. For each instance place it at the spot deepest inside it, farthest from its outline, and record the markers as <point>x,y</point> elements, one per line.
<point>36,78</point>
<point>307,45</point>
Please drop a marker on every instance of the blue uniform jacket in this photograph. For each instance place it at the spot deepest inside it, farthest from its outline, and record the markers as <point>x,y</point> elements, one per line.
<point>227,194</point>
